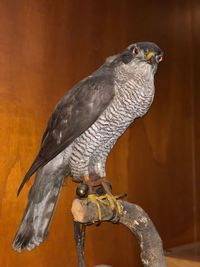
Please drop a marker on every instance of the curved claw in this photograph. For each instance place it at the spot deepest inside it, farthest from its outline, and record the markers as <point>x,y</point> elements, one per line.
<point>112,202</point>
<point>94,199</point>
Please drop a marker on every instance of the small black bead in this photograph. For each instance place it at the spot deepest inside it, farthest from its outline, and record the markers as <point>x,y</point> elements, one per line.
<point>82,190</point>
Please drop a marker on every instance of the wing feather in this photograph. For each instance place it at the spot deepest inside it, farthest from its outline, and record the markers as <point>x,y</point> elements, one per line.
<point>74,114</point>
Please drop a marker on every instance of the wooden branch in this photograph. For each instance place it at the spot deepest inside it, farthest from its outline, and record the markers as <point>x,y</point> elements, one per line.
<point>133,218</point>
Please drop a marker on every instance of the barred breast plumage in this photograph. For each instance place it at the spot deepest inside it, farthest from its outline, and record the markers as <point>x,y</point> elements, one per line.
<point>132,99</point>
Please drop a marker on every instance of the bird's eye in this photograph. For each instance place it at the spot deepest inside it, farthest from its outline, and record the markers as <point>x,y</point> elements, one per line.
<point>135,50</point>
<point>159,58</point>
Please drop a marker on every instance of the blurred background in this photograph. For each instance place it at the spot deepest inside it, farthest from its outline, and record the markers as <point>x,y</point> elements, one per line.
<point>46,47</point>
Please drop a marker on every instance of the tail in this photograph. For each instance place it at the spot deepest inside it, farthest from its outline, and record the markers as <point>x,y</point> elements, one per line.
<point>43,197</point>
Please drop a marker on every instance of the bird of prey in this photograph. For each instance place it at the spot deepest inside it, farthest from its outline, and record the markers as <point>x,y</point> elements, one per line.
<point>81,132</point>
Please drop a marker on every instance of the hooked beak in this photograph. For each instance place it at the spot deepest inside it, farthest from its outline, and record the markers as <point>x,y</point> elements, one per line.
<point>153,57</point>
<point>149,55</point>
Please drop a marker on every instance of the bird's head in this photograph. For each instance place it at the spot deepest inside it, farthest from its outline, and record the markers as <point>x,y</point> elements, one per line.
<point>141,54</point>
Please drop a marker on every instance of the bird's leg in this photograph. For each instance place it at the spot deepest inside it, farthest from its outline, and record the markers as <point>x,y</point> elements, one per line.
<point>89,188</point>
<point>98,191</point>
<point>114,204</point>
<point>79,235</point>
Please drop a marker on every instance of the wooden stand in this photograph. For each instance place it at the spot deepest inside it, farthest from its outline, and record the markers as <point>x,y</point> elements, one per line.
<point>135,219</point>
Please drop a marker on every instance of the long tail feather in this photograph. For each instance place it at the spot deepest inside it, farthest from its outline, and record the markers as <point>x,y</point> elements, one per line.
<point>34,225</point>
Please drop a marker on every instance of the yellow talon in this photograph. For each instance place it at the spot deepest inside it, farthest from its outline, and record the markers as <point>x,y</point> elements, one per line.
<point>111,201</point>
<point>114,203</point>
<point>94,199</point>
<point>119,209</point>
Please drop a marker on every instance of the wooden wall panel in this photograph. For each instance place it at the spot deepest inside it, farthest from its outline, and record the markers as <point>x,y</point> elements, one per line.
<point>162,160</point>
<point>195,20</point>
<point>45,47</point>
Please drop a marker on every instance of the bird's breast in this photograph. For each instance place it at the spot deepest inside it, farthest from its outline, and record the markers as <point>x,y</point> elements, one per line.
<point>93,146</point>
<point>136,97</point>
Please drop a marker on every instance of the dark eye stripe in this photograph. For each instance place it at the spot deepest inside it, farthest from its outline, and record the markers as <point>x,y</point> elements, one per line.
<point>127,57</point>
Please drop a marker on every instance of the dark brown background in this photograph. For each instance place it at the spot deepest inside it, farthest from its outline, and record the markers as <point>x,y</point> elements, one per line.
<point>45,47</point>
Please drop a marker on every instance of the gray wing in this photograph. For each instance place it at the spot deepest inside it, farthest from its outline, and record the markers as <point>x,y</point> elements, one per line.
<point>75,113</point>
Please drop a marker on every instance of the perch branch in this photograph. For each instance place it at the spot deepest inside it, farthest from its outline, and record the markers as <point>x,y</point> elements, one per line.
<point>135,219</point>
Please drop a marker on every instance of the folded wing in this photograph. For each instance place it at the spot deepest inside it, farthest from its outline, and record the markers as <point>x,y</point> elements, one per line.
<point>75,113</point>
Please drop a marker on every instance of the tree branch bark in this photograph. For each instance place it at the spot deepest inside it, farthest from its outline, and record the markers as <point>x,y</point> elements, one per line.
<point>134,218</point>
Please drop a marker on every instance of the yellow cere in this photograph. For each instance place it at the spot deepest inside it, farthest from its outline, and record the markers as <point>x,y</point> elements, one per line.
<point>149,55</point>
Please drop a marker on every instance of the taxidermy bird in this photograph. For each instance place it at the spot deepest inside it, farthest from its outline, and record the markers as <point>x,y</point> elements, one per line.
<point>81,132</point>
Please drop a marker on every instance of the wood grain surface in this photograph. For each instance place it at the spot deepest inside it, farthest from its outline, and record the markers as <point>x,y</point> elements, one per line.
<point>45,47</point>
<point>174,262</point>
<point>196,110</point>
<point>184,256</point>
